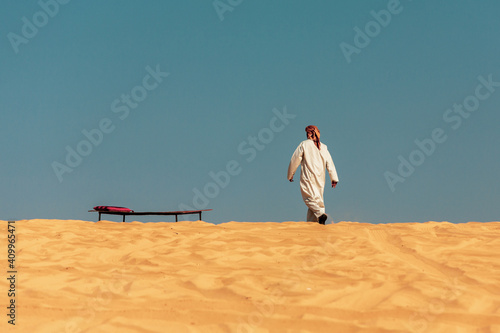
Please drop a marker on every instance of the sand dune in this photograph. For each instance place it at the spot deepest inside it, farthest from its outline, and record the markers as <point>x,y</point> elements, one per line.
<point>77,276</point>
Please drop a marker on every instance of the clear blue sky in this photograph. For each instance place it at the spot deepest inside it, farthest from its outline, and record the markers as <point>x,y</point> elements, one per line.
<point>69,67</point>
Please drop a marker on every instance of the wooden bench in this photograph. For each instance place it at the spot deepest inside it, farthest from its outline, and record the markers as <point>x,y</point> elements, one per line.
<point>185,212</point>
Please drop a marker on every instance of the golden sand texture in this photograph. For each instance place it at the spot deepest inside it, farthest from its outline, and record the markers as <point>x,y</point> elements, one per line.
<point>78,276</point>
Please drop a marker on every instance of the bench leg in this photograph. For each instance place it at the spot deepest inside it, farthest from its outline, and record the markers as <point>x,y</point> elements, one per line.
<point>175,217</point>
<point>99,216</point>
<point>123,217</point>
<point>200,215</point>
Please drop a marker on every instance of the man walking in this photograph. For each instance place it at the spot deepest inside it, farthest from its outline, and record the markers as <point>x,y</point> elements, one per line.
<point>313,158</point>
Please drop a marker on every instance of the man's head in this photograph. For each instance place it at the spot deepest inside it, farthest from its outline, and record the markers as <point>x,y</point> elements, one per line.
<point>313,134</point>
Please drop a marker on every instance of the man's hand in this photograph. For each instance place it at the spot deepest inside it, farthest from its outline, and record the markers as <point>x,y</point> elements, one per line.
<point>334,183</point>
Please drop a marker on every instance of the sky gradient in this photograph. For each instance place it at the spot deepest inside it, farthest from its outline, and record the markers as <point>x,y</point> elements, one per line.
<point>200,104</point>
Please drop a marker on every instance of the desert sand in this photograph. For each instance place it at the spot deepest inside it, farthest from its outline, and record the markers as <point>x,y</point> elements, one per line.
<point>80,276</point>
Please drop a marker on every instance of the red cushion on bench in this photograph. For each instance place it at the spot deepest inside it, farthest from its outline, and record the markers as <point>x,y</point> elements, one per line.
<point>113,209</point>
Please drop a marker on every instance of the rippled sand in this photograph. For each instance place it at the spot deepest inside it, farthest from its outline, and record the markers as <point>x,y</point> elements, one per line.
<point>78,276</point>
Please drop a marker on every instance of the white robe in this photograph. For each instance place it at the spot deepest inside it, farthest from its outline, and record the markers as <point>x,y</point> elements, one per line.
<point>313,162</point>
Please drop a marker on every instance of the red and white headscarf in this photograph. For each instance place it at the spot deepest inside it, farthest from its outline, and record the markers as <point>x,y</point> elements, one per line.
<point>313,134</point>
